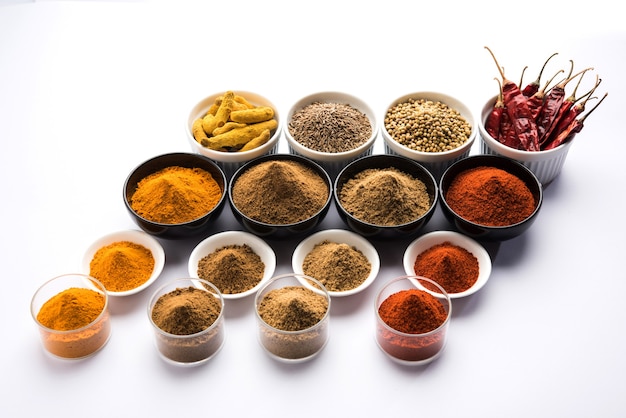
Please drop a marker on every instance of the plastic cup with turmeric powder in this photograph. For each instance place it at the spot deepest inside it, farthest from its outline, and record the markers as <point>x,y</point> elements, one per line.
<point>72,314</point>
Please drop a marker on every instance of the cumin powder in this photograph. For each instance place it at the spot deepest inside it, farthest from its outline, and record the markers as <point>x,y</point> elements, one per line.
<point>386,197</point>
<point>232,268</point>
<point>280,192</point>
<point>338,266</point>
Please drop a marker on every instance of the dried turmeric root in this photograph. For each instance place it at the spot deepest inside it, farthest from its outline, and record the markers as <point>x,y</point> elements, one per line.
<point>232,123</point>
<point>257,142</point>
<point>258,114</point>
<point>198,132</point>
<point>237,138</point>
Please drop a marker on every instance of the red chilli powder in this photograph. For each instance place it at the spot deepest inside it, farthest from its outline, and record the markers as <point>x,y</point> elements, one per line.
<point>490,196</point>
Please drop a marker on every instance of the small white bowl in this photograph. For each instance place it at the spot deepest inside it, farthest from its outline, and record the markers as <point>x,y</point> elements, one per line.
<point>137,237</point>
<point>340,236</point>
<point>426,241</point>
<point>435,162</point>
<point>332,162</point>
<point>231,161</point>
<point>222,239</point>
<point>546,165</point>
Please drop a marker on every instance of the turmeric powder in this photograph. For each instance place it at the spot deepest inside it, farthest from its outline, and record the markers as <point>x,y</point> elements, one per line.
<point>71,309</point>
<point>176,195</point>
<point>122,266</point>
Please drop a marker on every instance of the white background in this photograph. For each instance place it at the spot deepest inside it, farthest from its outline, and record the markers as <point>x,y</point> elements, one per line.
<point>88,90</point>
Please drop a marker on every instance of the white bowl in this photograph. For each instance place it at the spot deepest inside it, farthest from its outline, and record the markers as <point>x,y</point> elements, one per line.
<point>222,239</point>
<point>137,237</point>
<point>231,161</point>
<point>332,162</point>
<point>426,241</point>
<point>546,165</point>
<point>340,236</point>
<point>436,162</point>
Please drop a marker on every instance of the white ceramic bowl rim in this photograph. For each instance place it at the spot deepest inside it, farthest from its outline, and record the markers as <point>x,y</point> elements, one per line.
<point>453,103</point>
<point>222,239</point>
<point>137,237</point>
<point>339,236</point>
<point>332,97</point>
<point>430,239</point>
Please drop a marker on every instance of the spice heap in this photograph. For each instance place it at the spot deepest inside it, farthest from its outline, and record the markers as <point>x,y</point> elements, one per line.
<point>412,311</point>
<point>386,197</point>
<point>330,127</point>
<point>490,196</point>
<point>187,311</point>
<point>233,124</point>
<point>280,192</point>
<point>298,310</point>
<point>232,269</point>
<point>75,309</point>
<point>122,266</point>
<point>427,125</point>
<point>539,118</point>
<point>71,309</point>
<point>451,266</point>
<point>338,266</point>
<point>415,312</point>
<point>292,308</point>
<point>176,195</point>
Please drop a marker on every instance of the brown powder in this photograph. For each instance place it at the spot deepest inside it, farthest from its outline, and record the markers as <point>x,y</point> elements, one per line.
<point>232,268</point>
<point>385,197</point>
<point>292,308</point>
<point>186,311</point>
<point>280,192</point>
<point>337,266</point>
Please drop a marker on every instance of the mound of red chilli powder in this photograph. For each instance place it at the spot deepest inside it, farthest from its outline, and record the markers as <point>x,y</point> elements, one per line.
<point>490,196</point>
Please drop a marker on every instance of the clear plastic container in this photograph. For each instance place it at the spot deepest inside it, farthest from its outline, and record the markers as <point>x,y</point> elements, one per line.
<point>300,345</point>
<point>74,343</point>
<point>409,348</point>
<point>189,349</point>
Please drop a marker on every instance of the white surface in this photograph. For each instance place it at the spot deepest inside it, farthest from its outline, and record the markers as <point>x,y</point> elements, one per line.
<point>90,89</point>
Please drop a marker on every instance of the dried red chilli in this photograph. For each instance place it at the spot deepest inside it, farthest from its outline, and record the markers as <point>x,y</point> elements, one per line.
<point>560,123</point>
<point>508,136</point>
<point>573,128</point>
<point>494,119</point>
<point>535,102</point>
<point>551,104</point>
<point>569,111</point>
<point>533,87</point>
<point>518,111</point>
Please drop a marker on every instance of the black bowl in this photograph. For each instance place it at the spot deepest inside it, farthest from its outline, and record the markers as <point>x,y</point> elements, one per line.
<point>384,161</point>
<point>280,230</point>
<point>181,230</point>
<point>482,232</point>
